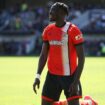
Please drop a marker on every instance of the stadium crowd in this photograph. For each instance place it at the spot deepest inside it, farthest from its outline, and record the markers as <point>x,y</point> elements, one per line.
<point>23,18</point>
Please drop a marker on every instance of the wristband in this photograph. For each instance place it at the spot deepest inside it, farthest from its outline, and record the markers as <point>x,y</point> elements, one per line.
<point>38,76</point>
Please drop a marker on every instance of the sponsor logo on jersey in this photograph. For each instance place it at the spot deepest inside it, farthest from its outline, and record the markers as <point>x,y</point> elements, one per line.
<point>61,42</point>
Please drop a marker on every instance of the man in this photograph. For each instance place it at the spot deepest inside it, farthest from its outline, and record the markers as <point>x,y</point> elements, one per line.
<point>62,45</point>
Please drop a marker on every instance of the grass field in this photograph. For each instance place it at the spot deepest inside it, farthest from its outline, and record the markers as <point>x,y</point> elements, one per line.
<point>17,76</point>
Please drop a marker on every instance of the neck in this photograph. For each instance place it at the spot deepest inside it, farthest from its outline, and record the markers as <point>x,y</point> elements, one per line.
<point>60,23</point>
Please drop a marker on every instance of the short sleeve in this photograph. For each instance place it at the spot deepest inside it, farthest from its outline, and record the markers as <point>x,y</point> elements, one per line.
<point>45,34</point>
<point>76,35</point>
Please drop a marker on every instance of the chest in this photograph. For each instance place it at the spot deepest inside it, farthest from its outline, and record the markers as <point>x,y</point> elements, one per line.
<point>58,37</point>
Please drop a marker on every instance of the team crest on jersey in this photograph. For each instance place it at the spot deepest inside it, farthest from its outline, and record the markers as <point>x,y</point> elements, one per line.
<point>78,37</point>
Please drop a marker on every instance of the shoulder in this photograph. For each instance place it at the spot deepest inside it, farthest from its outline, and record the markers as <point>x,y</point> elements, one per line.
<point>49,27</point>
<point>47,30</point>
<point>74,29</point>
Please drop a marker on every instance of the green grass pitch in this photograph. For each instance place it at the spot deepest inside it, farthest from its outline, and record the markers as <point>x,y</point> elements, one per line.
<point>17,76</point>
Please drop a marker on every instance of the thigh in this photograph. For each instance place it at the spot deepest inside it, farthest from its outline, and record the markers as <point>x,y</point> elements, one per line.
<point>51,89</point>
<point>76,95</point>
<point>66,82</point>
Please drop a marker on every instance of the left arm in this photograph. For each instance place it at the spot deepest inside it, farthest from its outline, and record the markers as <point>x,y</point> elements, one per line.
<point>79,69</point>
<point>81,60</point>
<point>77,40</point>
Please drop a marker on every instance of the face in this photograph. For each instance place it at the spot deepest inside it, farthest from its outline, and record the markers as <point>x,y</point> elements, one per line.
<point>53,14</point>
<point>56,14</point>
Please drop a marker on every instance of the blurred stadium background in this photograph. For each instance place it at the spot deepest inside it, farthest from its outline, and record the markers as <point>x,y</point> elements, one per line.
<point>22,22</point>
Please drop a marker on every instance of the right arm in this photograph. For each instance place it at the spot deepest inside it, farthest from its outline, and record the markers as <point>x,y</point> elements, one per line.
<point>41,64</point>
<point>43,57</point>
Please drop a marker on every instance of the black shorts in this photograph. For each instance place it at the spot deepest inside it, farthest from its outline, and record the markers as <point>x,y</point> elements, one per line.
<point>54,85</point>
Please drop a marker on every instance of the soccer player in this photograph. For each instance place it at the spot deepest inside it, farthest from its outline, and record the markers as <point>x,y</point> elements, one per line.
<point>63,48</point>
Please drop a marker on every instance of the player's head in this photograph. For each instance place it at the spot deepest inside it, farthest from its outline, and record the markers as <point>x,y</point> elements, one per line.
<point>58,11</point>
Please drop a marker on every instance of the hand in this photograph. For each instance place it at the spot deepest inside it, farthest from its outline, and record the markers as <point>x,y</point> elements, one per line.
<point>73,88</point>
<point>36,83</point>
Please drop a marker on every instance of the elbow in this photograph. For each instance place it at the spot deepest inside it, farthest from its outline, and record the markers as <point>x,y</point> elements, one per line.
<point>43,57</point>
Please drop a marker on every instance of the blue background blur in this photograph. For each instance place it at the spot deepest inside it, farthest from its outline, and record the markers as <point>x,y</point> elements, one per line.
<point>22,23</point>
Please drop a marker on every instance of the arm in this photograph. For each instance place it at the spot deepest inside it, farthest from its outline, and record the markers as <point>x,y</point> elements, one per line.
<point>43,57</point>
<point>79,69</point>
<point>77,40</point>
<point>41,64</point>
<point>81,60</point>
